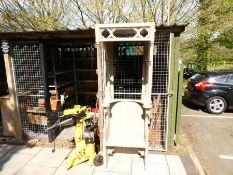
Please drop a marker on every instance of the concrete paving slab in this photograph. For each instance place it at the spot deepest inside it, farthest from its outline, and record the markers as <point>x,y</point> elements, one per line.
<point>47,158</point>
<point>122,156</point>
<point>30,170</point>
<point>2,145</point>
<point>22,160</point>
<point>62,169</point>
<point>158,169</point>
<point>1,154</point>
<point>175,165</point>
<point>11,163</point>
<point>8,147</point>
<point>25,150</point>
<point>137,158</point>
<point>157,158</point>
<point>111,173</point>
<point>119,163</point>
<point>4,149</point>
<point>138,168</point>
<point>82,169</point>
<point>157,164</point>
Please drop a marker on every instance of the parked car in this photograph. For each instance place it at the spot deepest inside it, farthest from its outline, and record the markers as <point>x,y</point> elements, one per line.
<point>212,90</point>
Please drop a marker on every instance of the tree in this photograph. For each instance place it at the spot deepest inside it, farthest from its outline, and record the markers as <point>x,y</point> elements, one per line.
<point>214,19</point>
<point>33,15</point>
<point>57,14</point>
<point>165,12</point>
<point>90,12</point>
<point>226,39</point>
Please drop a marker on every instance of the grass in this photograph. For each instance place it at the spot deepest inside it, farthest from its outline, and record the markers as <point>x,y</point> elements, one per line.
<point>221,67</point>
<point>181,146</point>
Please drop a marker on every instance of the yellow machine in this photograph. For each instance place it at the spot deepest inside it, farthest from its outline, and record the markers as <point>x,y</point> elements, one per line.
<point>84,137</point>
<point>85,128</point>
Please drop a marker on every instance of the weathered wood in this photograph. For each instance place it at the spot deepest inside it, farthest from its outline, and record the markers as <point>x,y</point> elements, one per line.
<point>8,125</point>
<point>10,112</point>
<point>65,34</point>
<point>36,119</point>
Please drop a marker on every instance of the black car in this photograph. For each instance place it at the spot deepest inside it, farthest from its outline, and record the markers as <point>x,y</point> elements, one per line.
<point>213,90</point>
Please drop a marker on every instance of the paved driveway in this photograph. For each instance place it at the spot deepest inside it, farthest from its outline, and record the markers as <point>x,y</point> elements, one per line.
<point>211,137</point>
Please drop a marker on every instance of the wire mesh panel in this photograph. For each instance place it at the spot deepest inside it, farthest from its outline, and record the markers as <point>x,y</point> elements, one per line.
<point>161,63</point>
<point>128,63</point>
<point>29,89</point>
<point>158,118</point>
<point>158,123</point>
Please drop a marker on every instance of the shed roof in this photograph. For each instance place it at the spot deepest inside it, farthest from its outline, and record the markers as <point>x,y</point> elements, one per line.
<point>172,28</point>
<point>63,34</point>
<point>71,34</point>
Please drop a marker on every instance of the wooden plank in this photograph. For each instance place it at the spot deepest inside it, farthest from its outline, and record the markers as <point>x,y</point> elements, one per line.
<point>127,125</point>
<point>127,142</point>
<point>12,115</point>
<point>37,119</point>
<point>170,136</point>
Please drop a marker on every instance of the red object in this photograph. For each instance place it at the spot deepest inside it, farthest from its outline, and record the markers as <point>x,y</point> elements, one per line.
<point>201,86</point>
<point>95,110</point>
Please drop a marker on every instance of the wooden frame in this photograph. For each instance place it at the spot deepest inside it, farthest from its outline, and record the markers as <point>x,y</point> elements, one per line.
<point>106,34</point>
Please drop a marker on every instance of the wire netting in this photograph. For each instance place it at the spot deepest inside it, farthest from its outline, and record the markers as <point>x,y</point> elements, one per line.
<point>127,65</point>
<point>29,89</point>
<point>158,118</point>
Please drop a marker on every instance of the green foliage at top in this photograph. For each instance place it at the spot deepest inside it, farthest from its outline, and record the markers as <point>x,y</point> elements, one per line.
<point>226,39</point>
<point>213,41</point>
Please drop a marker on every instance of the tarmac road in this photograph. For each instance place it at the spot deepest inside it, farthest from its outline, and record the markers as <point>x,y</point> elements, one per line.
<point>211,137</point>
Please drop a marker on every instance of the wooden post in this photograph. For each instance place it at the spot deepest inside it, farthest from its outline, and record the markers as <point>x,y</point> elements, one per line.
<point>179,102</point>
<point>179,93</point>
<point>12,120</point>
<point>174,57</point>
<point>99,94</point>
<point>170,132</point>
